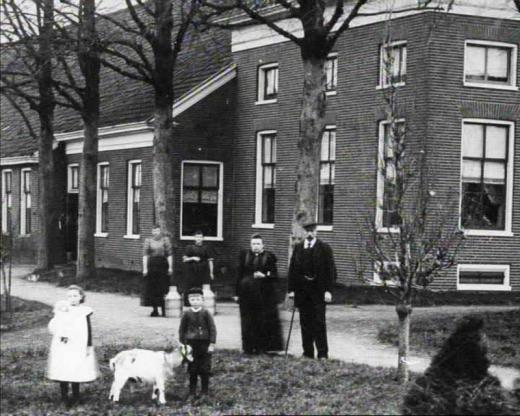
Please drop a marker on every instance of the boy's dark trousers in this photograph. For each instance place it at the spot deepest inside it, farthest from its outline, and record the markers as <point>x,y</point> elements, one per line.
<point>201,365</point>
<point>64,388</point>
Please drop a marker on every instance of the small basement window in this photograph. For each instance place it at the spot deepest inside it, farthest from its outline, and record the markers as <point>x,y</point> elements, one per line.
<point>483,277</point>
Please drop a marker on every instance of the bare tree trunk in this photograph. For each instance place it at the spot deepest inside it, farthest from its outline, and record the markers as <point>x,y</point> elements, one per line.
<point>404,312</point>
<point>46,158</point>
<point>312,124</point>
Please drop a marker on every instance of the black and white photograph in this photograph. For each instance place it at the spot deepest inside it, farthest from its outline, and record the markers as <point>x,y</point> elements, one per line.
<point>259,207</point>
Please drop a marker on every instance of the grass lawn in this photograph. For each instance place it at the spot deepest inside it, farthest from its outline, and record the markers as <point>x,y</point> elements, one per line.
<point>26,314</point>
<point>240,385</point>
<point>428,333</point>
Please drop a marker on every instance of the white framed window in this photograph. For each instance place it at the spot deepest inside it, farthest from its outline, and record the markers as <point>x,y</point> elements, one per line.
<point>386,267</point>
<point>486,177</point>
<point>267,83</point>
<point>7,200</point>
<point>202,184</point>
<point>483,277</point>
<point>133,205</point>
<point>327,178</point>
<point>387,215</point>
<point>25,202</point>
<point>265,179</point>
<point>103,183</point>
<point>392,64</point>
<point>490,64</point>
<point>73,178</point>
<point>331,73</point>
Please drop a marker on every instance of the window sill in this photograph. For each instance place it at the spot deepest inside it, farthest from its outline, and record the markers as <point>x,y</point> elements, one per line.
<point>132,236</point>
<point>331,93</point>
<point>488,233</point>
<point>104,235</point>
<point>72,191</point>
<point>265,226</point>
<point>491,86</point>
<point>24,235</point>
<point>325,228</point>
<point>192,238</point>
<point>386,230</point>
<point>483,287</point>
<point>262,102</point>
<point>383,87</point>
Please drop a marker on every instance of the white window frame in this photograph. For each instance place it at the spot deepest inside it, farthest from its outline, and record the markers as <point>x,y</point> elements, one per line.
<point>512,68</point>
<point>220,208</point>
<point>380,188</point>
<point>259,179</point>
<point>23,204</point>
<point>4,199</point>
<point>507,231</point>
<point>506,286</point>
<point>328,227</point>
<point>260,77</point>
<point>333,55</point>
<point>382,69</point>
<point>377,281</point>
<point>129,201</point>
<point>70,189</point>
<point>100,233</point>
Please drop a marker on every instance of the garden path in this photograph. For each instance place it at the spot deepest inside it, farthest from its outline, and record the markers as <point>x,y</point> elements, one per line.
<point>352,332</point>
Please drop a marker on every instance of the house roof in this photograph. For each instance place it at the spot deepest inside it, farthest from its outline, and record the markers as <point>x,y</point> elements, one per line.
<point>123,100</point>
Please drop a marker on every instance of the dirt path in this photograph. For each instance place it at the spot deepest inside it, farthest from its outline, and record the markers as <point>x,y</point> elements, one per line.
<point>352,332</point>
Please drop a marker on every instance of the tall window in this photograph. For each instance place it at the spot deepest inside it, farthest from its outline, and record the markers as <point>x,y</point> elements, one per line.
<point>7,200</point>
<point>134,198</point>
<point>327,177</point>
<point>267,83</point>
<point>202,198</point>
<point>490,64</point>
<point>331,72</point>
<point>73,178</point>
<point>25,202</point>
<point>485,165</point>
<point>387,213</point>
<point>265,178</point>
<point>393,64</point>
<point>103,180</point>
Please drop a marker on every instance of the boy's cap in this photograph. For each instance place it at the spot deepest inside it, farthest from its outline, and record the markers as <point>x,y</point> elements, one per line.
<point>195,291</point>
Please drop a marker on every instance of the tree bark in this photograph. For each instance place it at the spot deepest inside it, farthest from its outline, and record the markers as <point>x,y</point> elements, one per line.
<point>88,56</point>
<point>312,124</point>
<point>404,312</point>
<point>46,209</point>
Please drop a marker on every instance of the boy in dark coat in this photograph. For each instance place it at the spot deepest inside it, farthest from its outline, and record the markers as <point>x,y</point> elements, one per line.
<point>198,329</point>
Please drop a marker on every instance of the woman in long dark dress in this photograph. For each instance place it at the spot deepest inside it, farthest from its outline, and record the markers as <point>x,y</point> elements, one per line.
<point>198,265</point>
<point>157,268</point>
<point>260,321</point>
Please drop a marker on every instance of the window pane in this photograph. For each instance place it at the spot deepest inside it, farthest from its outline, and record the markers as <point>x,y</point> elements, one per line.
<point>476,61</point>
<point>191,175</point>
<point>271,76</point>
<point>273,149</point>
<point>210,176</point>
<point>332,173</point>
<point>191,196</point>
<point>473,140</point>
<point>483,206</point>
<point>494,172</point>
<point>209,197</point>
<point>332,144</point>
<point>267,149</point>
<point>498,63</point>
<point>496,142</point>
<point>137,174</point>
<point>492,278</point>
<point>403,61</point>
<point>268,204</point>
<point>325,174</point>
<point>268,176</point>
<point>325,146</point>
<point>471,171</point>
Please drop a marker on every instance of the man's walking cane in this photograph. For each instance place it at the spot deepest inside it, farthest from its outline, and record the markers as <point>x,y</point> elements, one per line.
<point>290,330</point>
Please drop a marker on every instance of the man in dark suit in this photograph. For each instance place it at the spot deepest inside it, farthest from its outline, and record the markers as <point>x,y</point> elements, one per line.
<point>311,275</point>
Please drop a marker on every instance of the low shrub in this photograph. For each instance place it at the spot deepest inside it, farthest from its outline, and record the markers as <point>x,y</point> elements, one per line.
<point>25,314</point>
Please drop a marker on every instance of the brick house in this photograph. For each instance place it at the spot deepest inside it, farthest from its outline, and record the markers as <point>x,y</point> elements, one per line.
<point>238,126</point>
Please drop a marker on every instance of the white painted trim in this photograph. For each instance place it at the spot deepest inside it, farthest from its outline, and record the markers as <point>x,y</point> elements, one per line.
<point>265,226</point>
<point>507,231</point>
<point>255,36</point>
<point>512,69</point>
<point>18,160</point>
<point>325,228</point>
<point>380,187</point>
<point>335,90</point>
<point>132,236</point>
<point>506,286</point>
<point>220,207</point>
<point>69,178</point>
<point>5,204</point>
<point>382,79</point>
<point>260,80</point>
<point>331,93</point>
<point>129,212</point>
<point>204,89</point>
<point>108,131</point>
<point>100,233</point>
<point>23,203</point>
<point>259,178</point>
<point>130,140</point>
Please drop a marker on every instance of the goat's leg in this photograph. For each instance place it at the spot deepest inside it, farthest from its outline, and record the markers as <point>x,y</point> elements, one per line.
<point>154,390</point>
<point>115,390</point>
<point>160,387</point>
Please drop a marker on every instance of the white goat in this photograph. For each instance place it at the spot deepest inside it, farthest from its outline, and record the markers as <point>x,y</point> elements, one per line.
<point>147,366</point>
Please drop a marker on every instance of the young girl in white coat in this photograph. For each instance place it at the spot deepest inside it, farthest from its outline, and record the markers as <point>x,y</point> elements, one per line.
<point>71,355</point>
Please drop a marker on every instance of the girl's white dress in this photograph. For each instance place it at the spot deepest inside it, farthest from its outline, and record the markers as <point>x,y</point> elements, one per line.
<point>70,358</point>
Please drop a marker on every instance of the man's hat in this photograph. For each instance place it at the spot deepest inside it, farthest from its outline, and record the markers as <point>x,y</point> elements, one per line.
<point>195,291</point>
